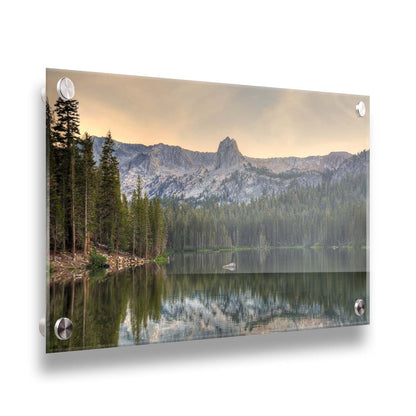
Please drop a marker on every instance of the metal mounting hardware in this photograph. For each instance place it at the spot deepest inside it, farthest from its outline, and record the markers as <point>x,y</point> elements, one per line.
<point>66,89</point>
<point>359,307</point>
<point>43,94</point>
<point>360,108</point>
<point>42,326</point>
<point>63,329</point>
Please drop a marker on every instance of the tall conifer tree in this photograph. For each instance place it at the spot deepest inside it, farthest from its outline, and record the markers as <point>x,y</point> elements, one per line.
<point>88,171</point>
<point>109,202</point>
<point>66,132</point>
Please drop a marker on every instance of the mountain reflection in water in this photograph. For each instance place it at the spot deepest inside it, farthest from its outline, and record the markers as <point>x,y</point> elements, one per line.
<point>158,304</point>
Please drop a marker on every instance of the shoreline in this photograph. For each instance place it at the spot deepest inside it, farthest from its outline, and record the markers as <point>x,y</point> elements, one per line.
<point>64,268</point>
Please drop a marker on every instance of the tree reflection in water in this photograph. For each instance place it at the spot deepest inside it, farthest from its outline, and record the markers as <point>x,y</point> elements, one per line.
<point>145,304</point>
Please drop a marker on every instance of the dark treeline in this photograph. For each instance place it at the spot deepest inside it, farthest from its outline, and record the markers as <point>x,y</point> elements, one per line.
<point>85,201</point>
<point>329,214</point>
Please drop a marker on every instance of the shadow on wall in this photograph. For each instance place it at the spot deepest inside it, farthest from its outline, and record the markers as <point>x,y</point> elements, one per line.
<point>220,349</point>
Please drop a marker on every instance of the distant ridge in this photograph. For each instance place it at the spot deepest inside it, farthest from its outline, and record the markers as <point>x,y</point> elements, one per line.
<point>227,175</point>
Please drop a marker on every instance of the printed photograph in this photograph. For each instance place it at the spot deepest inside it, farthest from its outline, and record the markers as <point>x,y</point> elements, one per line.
<point>182,210</point>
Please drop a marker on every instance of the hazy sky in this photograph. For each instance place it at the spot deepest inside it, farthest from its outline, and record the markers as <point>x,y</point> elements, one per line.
<point>266,122</point>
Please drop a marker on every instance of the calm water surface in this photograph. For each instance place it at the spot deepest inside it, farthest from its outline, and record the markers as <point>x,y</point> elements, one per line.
<point>193,297</point>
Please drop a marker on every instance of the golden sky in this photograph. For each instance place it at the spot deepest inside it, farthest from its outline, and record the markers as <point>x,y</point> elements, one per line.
<point>265,122</point>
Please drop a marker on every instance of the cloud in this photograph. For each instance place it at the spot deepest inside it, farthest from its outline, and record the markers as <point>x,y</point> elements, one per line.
<point>265,122</point>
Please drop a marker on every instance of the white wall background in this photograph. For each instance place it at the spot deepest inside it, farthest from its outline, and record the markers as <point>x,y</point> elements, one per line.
<point>352,47</point>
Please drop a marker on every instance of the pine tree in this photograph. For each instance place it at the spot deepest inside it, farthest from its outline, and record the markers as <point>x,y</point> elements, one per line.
<point>145,226</point>
<point>124,224</point>
<point>55,211</point>
<point>133,221</point>
<point>109,196</point>
<point>66,137</point>
<point>88,171</point>
<point>136,217</point>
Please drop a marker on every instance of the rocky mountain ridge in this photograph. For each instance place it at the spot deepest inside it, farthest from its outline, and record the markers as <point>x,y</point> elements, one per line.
<point>227,175</point>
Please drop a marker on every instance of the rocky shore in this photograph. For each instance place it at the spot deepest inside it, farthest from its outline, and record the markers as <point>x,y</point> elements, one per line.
<point>63,267</point>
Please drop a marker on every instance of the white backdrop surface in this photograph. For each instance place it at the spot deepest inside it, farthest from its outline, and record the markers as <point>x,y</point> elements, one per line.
<point>351,47</point>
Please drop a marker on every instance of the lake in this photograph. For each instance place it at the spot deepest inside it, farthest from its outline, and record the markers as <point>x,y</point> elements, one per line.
<point>194,297</point>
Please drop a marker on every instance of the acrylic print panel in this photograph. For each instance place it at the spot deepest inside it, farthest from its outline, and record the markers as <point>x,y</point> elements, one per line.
<point>185,210</point>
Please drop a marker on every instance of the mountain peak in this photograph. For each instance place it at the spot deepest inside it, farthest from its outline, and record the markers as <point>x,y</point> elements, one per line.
<point>228,142</point>
<point>228,154</point>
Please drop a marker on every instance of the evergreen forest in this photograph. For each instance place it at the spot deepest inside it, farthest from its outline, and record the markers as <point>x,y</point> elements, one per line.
<point>86,205</point>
